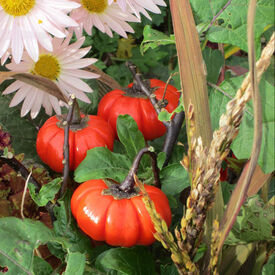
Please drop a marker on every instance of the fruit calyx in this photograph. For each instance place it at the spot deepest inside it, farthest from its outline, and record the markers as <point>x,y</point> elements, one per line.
<point>118,194</point>
<point>78,121</point>
<point>137,91</point>
<point>128,189</point>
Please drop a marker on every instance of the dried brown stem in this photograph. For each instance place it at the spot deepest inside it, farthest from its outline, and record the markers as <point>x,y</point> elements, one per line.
<point>66,146</point>
<point>173,126</point>
<point>128,184</point>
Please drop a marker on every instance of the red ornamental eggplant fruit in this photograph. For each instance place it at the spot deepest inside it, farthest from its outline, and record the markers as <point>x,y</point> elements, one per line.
<point>224,171</point>
<point>92,131</point>
<point>138,106</point>
<point>118,218</point>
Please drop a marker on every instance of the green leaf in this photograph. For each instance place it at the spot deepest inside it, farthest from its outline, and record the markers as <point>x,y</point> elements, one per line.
<point>128,261</point>
<point>243,143</point>
<point>41,267</point>
<point>151,59</point>
<point>129,135</point>
<point>233,28</point>
<point>120,73</point>
<point>205,10</point>
<point>46,193</point>
<point>174,178</point>
<point>166,116</point>
<point>103,43</point>
<point>269,267</point>
<point>90,108</point>
<point>18,239</point>
<point>227,191</point>
<point>168,270</point>
<point>101,163</point>
<point>153,39</point>
<point>66,227</point>
<point>161,159</point>
<point>214,62</point>
<point>253,223</point>
<point>271,191</point>
<point>75,263</point>
<point>201,251</point>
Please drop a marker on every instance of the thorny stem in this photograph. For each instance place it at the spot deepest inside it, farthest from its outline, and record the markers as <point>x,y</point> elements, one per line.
<point>128,184</point>
<point>173,127</point>
<point>66,147</point>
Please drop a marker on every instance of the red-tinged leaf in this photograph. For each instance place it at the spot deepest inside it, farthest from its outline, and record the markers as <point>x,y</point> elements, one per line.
<point>236,201</point>
<point>259,179</point>
<point>240,192</point>
<point>5,208</point>
<point>5,139</point>
<point>192,68</point>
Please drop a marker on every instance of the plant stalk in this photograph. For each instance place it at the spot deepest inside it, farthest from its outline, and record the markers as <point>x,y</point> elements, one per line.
<point>66,146</point>
<point>129,183</point>
<point>193,81</point>
<point>172,127</point>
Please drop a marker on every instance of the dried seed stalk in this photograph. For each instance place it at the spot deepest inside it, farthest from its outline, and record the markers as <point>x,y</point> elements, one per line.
<point>215,237</point>
<point>204,166</point>
<point>179,255</point>
<point>206,163</point>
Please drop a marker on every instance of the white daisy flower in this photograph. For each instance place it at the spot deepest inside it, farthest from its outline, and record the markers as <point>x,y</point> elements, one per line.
<point>97,13</point>
<point>5,57</point>
<point>27,23</point>
<point>63,66</point>
<point>140,6</point>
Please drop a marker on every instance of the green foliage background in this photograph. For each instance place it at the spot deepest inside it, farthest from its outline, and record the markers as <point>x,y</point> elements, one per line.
<point>152,49</point>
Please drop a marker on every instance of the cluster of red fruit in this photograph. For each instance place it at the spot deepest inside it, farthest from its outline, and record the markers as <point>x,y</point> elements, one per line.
<point>123,221</point>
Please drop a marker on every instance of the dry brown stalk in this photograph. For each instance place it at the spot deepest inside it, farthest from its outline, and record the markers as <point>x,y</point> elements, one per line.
<point>179,254</point>
<point>204,166</point>
<point>207,163</point>
<point>215,237</point>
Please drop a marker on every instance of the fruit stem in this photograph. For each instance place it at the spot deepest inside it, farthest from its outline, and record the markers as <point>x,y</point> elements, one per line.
<point>129,183</point>
<point>139,85</point>
<point>173,127</point>
<point>76,116</point>
<point>66,146</point>
<point>172,134</point>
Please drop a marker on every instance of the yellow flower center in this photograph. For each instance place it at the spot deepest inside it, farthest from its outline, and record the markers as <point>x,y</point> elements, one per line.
<point>17,7</point>
<point>47,66</point>
<point>97,6</point>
